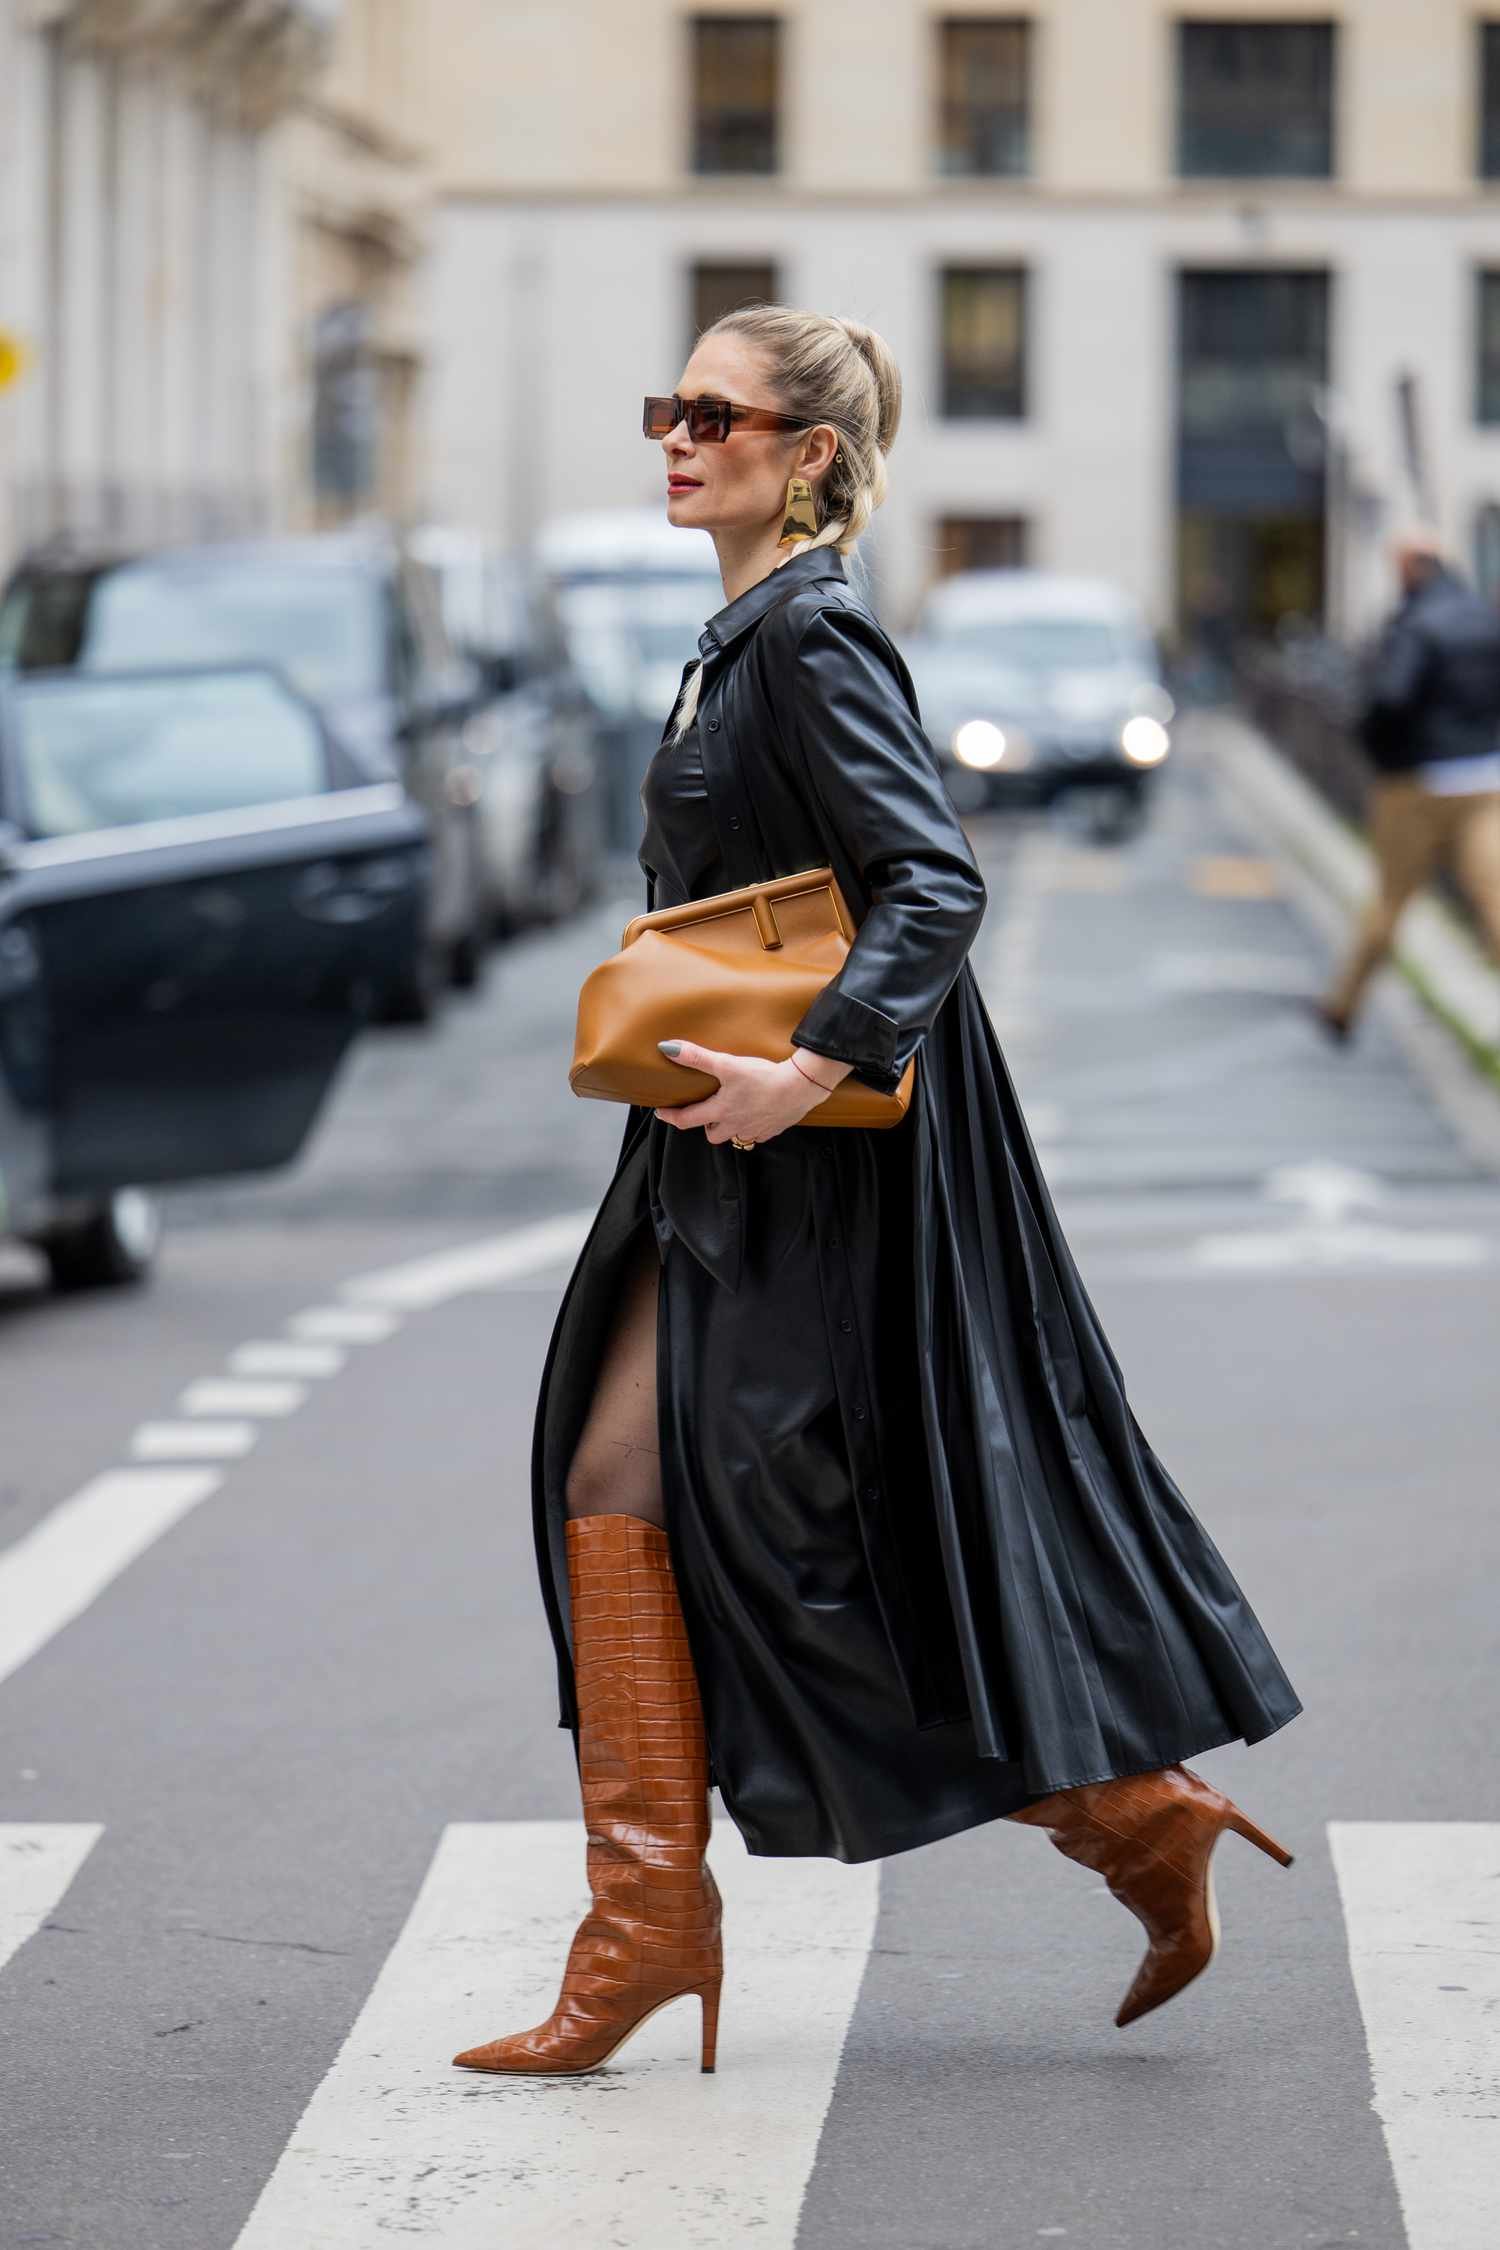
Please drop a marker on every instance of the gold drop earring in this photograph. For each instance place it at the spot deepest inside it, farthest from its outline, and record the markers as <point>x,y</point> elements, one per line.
<point>801,518</point>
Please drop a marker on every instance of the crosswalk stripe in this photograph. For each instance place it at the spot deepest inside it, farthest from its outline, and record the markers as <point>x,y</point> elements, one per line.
<point>38,1860</point>
<point>647,2151</point>
<point>1422,1914</point>
<point>52,1574</point>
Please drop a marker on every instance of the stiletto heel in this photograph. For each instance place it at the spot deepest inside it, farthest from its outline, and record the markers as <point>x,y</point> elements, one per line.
<point>1258,1837</point>
<point>1152,1837</point>
<point>710,2024</point>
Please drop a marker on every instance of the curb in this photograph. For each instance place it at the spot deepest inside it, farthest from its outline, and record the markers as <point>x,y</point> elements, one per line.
<point>1446,967</point>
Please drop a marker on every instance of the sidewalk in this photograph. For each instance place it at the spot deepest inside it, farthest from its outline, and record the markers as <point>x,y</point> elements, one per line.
<point>1443,963</point>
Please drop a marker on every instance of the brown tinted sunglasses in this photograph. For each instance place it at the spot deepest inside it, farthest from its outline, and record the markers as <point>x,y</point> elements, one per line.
<point>709,420</point>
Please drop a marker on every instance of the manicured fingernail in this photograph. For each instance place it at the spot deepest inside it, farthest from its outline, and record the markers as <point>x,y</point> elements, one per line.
<point>669,1046</point>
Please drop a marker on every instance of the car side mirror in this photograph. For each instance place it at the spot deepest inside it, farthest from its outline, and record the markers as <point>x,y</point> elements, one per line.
<point>500,670</point>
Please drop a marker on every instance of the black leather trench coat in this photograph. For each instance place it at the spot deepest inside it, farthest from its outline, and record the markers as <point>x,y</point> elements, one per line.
<point>1060,1597</point>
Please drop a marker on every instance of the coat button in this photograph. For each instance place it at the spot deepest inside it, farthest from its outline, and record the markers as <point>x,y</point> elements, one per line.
<point>734,820</point>
<point>713,726</point>
<point>833,1242</point>
<point>846,1325</point>
<point>870,1492</point>
<point>859,1414</point>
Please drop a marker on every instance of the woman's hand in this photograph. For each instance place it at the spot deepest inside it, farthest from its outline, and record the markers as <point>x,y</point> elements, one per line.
<point>755,1100</point>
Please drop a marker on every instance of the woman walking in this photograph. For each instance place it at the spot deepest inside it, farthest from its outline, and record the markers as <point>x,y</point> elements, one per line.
<point>840,1505</point>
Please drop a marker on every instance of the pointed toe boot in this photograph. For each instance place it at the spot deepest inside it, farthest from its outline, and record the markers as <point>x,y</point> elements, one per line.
<point>1151,1836</point>
<point>653,1932</point>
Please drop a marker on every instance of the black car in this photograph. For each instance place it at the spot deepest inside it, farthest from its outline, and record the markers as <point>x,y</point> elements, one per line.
<point>354,623</point>
<point>202,896</point>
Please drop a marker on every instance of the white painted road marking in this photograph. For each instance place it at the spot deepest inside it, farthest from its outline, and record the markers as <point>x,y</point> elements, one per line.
<point>38,1860</point>
<point>67,1560</point>
<point>193,1441</point>
<point>645,2153</point>
<point>343,1324</point>
<point>1339,1249</point>
<point>423,1282</point>
<point>64,1563</point>
<point>286,1359</point>
<point>217,1394</point>
<point>1422,1914</point>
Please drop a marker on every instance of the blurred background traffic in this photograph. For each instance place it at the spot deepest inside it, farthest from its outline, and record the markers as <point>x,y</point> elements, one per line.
<point>340,614</point>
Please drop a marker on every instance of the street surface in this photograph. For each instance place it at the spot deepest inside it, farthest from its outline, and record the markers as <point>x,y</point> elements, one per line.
<point>286,1817</point>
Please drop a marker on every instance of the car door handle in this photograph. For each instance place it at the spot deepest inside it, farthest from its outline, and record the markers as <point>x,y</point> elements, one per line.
<point>333,890</point>
<point>20,961</point>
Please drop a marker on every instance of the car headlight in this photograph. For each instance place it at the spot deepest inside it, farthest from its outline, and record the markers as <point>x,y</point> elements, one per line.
<point>1145,741</point>
<point>979,743</point>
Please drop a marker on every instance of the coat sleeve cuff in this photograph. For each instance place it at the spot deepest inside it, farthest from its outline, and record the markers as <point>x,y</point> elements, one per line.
<point>850,1030</point>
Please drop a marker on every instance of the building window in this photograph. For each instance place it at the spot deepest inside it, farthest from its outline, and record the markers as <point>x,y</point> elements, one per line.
<point>980,543</point>
<point>736,93</point>
<point>1487,352</point>
<point>983,329</point>
<point>716,288</point>
<point>345,408</point>
<point>984,85</point>
<point>1252,352</point>
<point>1255,100</point>
<point>1489,101</point>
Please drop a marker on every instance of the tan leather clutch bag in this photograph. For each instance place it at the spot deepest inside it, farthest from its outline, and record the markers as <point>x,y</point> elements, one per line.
<point>737,971</point>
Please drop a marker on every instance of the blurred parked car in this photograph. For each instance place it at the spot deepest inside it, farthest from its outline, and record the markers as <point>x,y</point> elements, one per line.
<point>356,625</point>
<point>631,593</point>
<point>202,897</point>
<point>1035,687</point>
<point>542,779</point>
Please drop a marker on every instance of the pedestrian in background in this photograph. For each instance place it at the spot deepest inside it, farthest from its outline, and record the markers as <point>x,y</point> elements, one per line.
<point>1431,725</point>
<point>839,1502</point>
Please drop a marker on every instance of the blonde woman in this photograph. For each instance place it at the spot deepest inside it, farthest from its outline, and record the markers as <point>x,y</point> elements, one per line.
<point>840,1504</point>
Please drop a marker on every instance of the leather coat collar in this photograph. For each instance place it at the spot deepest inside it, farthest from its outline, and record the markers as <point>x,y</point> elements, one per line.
<point>736,617</point>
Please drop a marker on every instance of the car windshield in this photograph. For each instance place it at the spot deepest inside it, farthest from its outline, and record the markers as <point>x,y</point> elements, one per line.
<point>105,753</point>
<point>1043,644</point>
<point>319,626</point>
<point>620,629</point>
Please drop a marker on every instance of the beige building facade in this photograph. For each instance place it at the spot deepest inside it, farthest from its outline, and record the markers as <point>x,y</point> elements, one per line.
<point>352,182</point>
<point>210,216</point>
<point>1199,299</point>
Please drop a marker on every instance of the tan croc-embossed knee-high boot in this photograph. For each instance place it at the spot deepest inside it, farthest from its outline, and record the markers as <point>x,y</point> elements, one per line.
<point>653,1932</point>
<point>1151,1836</point>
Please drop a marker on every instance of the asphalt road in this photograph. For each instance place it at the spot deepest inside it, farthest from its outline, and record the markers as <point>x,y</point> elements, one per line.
<point>260,1773</point>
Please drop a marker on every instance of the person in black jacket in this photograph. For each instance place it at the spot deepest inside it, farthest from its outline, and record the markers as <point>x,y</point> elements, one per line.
<point>1431,726</point>
<point>839,1503</point>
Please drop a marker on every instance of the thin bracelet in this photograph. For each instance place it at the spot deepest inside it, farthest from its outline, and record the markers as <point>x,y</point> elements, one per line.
<point>807,1074</point>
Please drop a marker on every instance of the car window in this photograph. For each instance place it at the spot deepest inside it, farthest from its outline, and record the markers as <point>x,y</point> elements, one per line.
<point>320,626</point>
<point>105,753</point>
<point>1043,644</point>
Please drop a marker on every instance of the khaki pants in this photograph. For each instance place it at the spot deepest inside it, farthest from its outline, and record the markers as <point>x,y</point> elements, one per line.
<point>1412,829</point>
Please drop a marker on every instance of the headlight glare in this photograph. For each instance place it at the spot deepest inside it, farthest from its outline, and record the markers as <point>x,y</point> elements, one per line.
<point>981,744</point>
<point>1144,740</point>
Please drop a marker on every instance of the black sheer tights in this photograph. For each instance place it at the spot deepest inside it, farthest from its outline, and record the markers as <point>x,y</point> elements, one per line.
<point>616,1465</point>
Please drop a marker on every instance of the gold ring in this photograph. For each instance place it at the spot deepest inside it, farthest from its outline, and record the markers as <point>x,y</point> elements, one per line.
<point>740,1144</point>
